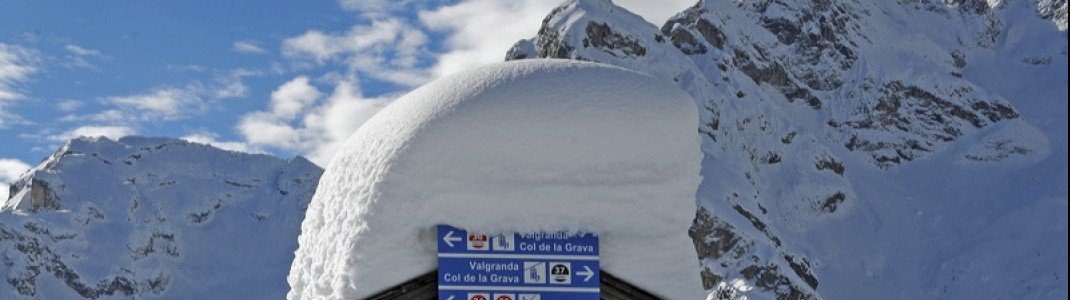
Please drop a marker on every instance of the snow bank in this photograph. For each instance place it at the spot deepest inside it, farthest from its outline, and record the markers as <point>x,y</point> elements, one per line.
<point>543,145</point>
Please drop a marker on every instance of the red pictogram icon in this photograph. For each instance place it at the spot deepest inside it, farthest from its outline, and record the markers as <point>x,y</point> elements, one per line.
<point>477,241</point>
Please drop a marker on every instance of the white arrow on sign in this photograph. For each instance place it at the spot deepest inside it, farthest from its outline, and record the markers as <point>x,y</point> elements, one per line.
<point>587,273</point>
<point>451,297</point>
<point>449,238</point>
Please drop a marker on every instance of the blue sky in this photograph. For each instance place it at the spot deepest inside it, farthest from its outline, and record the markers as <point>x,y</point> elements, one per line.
<point>280,77</point>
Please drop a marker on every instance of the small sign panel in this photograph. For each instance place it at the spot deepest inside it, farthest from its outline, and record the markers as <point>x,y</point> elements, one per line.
<point>517,266</point>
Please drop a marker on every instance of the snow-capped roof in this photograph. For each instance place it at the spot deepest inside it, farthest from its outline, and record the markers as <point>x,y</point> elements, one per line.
<point>540,145</point>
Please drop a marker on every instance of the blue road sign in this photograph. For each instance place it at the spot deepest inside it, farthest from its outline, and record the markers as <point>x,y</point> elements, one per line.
<point>518,266</point>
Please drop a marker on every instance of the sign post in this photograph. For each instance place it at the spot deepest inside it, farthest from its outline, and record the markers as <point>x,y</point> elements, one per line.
<point>528,266</point>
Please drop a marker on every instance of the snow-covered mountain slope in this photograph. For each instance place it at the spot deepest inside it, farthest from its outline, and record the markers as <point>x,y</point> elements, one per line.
<point>866,148</point>
<point>153,217</point>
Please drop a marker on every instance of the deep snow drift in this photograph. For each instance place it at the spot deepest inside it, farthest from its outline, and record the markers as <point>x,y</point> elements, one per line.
<point>547,145</point>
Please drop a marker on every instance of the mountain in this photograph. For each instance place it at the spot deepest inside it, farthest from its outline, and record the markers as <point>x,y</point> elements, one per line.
<point>153,217</point>
<point>852,149</point>
<point>860,149</point>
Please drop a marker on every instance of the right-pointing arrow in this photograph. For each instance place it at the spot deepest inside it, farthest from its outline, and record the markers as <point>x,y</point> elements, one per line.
<point>449,238</point>
<point>586,273</point>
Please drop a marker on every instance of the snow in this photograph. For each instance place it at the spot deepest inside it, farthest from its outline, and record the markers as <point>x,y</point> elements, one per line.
<point>982,215</point>
<point>528,146</point>
<point>572,21</point>
<point>155,217</point>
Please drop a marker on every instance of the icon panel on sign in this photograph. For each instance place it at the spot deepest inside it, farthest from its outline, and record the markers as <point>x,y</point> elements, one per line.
<point>529,297</point>
<point>478,296</point>
<point>503,242</point>
<point>478,242</point>
<point>560,273</point>
<point>534,272</point>
<point>504,296</point>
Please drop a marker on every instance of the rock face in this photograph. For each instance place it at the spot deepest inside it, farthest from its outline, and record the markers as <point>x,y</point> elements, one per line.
<point>34,195</point>
<point>1055,10</point>
<point>805,104</point>
<point>153,217</point>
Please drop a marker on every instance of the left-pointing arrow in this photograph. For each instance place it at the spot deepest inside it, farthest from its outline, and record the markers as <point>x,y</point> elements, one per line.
<point>449,238</point>
<point>586,273</point>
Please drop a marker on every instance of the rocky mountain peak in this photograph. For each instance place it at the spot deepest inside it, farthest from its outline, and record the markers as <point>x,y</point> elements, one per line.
<point>136,216</point>
<point>801,98</point>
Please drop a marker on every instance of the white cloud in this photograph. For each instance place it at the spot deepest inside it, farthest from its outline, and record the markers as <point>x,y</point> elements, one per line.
<point>69,105</point>
<point>293,97</point>
<point>387,49</point>
<point>341,115</point>
<point>265,129</point>
<point>78,57</point>
<point>370,9</point>
<point>111,132</point>
<point>250,47</point>
<point>231,88</point>
<point>187,68</point>
<point>105,116</point>
<point>314,44</point>
<point>274,129</point>
<point>79,51</point>
<point>232,84</point>
<point>166,103</point>
<point>213,140</point>
<point>393,49</point>
<point>10,170</point>
<point>306,125</point>
<point>367,5</point>
<point>479,32</point>
<point>17,63</point>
